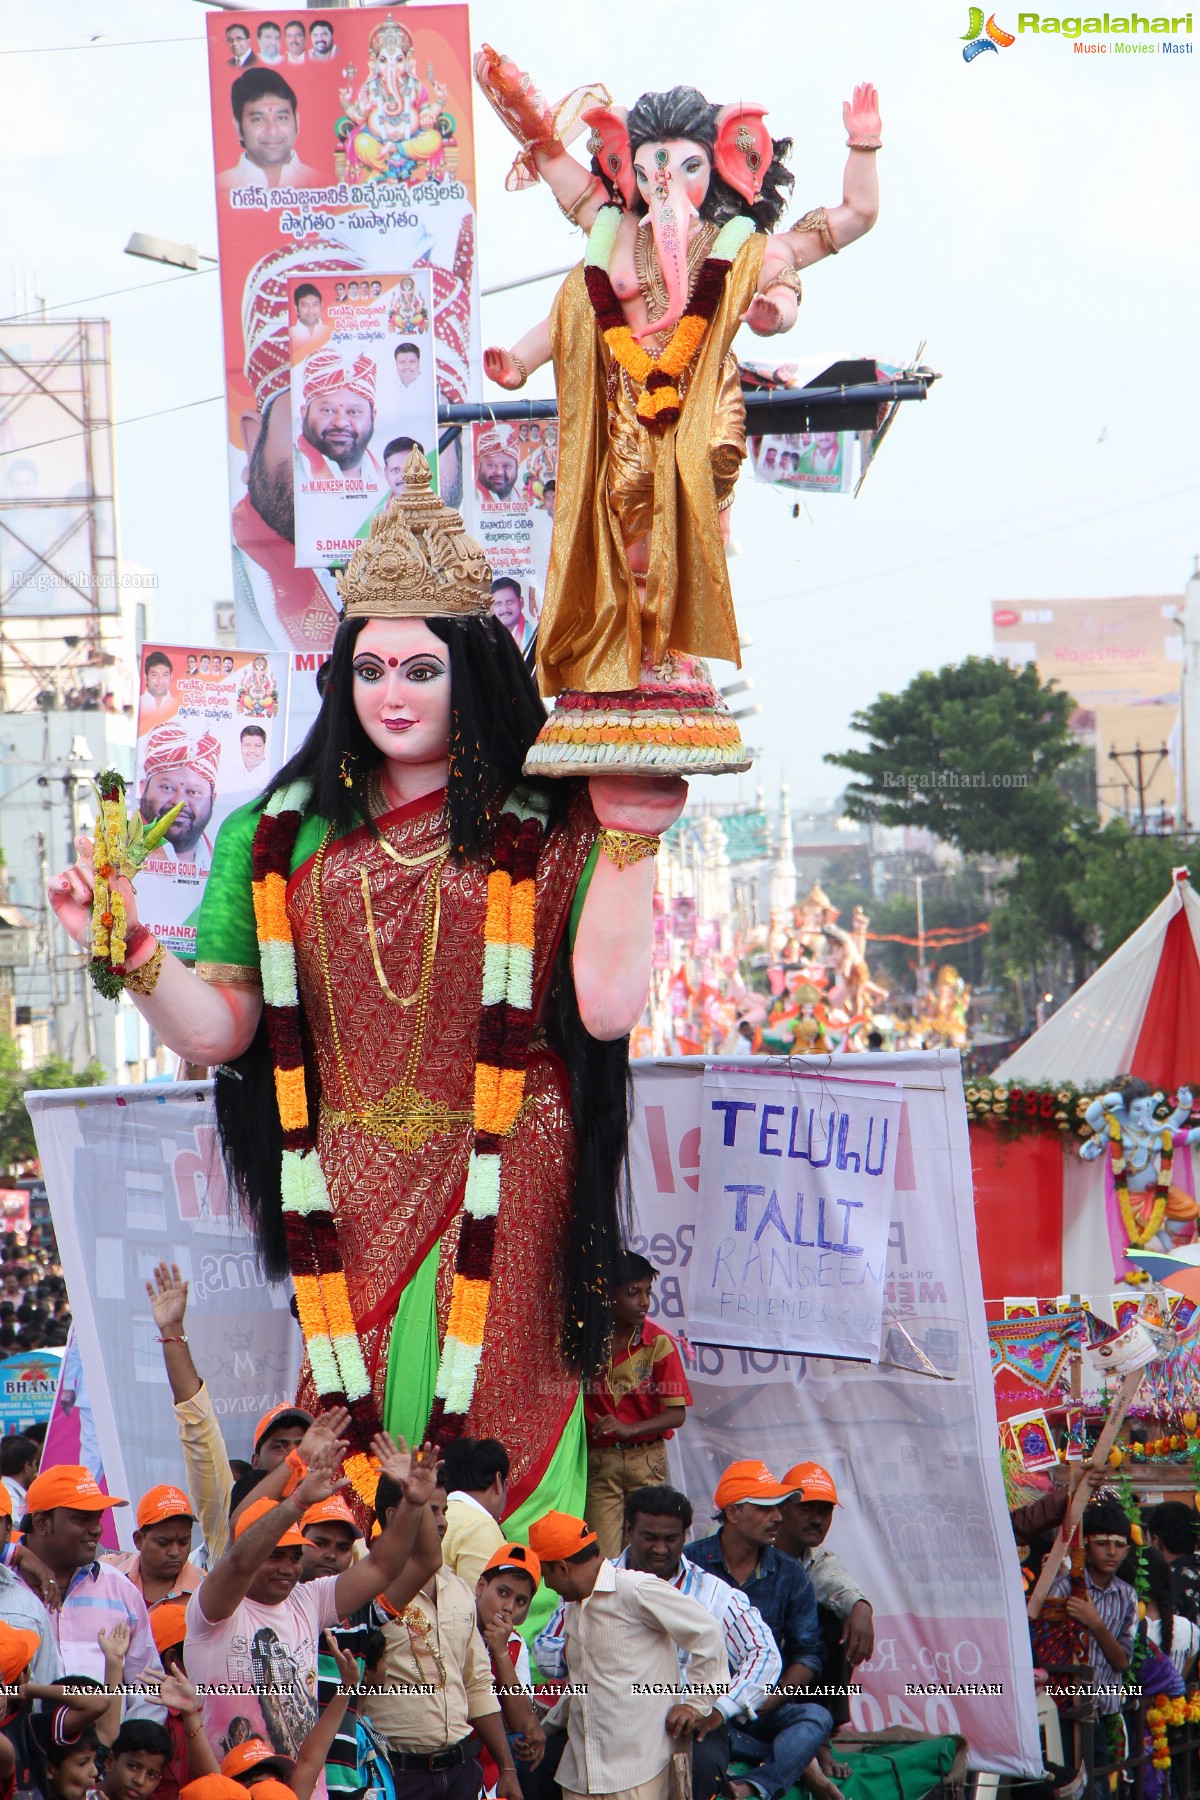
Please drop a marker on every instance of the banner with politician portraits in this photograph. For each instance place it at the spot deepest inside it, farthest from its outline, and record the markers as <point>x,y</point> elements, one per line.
<point>363,395</point>
<point>510,511</point>
<point>343,147</point>
<point>211,732</point>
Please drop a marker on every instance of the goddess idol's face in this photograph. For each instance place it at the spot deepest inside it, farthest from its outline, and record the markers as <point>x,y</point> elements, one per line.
<point>402,690</point>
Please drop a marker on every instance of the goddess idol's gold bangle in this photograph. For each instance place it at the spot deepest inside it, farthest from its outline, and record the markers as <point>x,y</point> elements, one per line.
<point>626,847</point>
<point>144,980</point>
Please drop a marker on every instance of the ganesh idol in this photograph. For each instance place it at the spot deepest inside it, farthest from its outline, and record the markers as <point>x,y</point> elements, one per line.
<point>682,206</point>
<point>391,130</point>
<point>415,974</point>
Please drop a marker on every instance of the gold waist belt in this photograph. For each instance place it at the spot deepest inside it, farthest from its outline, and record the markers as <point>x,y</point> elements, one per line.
<point>409,1119</point>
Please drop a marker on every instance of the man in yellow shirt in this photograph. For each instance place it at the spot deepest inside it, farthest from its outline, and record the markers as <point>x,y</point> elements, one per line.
<point>474,1473</point>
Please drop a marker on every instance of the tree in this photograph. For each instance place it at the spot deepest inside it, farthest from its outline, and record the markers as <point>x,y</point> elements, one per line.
<point>17,1144</point>
<point>1125,877</point>
<point>970,753</point>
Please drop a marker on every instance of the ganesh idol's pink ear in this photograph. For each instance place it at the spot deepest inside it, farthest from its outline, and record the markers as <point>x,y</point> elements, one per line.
<point>609,144</point>
<point>743,150</point>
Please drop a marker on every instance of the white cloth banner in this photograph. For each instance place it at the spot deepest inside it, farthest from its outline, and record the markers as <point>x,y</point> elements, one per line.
<point>796,1175</point>
<point>923,1526</point>
<point>134,1178</point>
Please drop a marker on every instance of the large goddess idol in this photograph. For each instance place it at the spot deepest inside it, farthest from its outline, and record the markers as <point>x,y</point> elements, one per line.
<point>416,976</point>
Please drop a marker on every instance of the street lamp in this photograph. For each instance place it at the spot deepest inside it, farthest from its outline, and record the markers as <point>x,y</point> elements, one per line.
<point>164,250</point>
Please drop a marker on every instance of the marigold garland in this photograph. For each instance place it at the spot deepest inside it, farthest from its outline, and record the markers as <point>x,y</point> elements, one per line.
<point>1139,1234</point>
<point>660,401</point>
<point>506,1025</point>
<point>1020,1108</point>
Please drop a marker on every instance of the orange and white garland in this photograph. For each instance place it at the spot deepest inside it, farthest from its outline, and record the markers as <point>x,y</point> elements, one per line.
<point>506,1024</point>
<point>658,377</point>
<point>1166,1711</point>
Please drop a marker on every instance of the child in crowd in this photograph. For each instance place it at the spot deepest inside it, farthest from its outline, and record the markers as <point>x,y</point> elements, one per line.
<point>139,1756</point>
<point>1108,1608</point>
<point>503,1595</point>
<point>633,1408</point>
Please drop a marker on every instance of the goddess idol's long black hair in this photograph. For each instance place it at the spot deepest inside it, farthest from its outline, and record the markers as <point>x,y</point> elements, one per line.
<point>495,716</point>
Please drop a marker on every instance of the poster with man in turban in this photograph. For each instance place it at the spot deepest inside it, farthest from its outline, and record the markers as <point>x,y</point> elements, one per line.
<point>511,510</point>
<point>364,204</point>
<point>211,733</point>
<point>359,403</point>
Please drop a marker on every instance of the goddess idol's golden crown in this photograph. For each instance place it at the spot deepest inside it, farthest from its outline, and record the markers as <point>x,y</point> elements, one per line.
<point>418,562</point>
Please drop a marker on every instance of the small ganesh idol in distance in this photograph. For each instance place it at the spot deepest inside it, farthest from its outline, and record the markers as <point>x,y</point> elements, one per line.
<point>682,207</point>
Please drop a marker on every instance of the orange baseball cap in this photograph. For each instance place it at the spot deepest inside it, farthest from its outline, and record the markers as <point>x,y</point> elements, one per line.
<point>557,1535</point>
<point>5,1502</point>
<point>163,1503</point>
<point>255,1753</point>
<point>332,1511</point>
<point>17,1650</point>
<point>287,1409</point>
<point>519,1557</point>
<point>291,1538</point>
<point>68,1484</point>
<point>813,1482</point>
<point>212,1787</point>
<point>269,1789</point>
<point>167,1622</point>
<point>751,1481</point>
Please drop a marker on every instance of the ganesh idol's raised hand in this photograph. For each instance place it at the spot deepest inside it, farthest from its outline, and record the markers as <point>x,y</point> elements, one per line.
<point>415,971</point>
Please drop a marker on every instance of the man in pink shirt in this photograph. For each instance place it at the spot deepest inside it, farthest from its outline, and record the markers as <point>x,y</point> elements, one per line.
<point>254,1629</point>
<point>160,1567</point>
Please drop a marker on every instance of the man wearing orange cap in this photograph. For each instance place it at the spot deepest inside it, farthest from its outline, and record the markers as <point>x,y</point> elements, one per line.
<point>21,1609</point>
<point>161,1567</point>
<point>65,1504</point>
<point>253,1626</point>
<point>789,1730</point>
<point>330,1533</point>
<point>842,1607</point>
<point>622,1635</point>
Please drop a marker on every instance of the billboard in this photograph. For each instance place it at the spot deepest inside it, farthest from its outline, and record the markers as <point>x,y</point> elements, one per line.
<point>511,512</point>
<point>344,151</point>
<point>211,733</point>
<point>363,393</point>
<point>1113,652</point>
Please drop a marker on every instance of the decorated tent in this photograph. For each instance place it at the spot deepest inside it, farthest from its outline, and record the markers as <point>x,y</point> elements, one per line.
<point>1050,1222</point>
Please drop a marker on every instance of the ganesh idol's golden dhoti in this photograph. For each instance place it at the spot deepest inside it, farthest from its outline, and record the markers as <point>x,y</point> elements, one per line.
<point>638,585</point>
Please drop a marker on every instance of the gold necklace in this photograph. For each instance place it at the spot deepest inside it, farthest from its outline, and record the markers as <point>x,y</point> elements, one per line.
<point>378,802</point>
<point>435,888</point>
<point>403,1116</point>
<point>649,269</point>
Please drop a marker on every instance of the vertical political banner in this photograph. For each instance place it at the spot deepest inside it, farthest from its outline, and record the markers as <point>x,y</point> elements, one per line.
<point>344,148</point>
<point>211,733</point>
<point>797,1172</point>
<point>363,394</point>
<point>511,513</point>
<point>135,1178</point>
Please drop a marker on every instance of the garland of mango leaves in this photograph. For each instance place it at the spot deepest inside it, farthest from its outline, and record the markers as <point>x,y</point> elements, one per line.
<point>1022,1108</point>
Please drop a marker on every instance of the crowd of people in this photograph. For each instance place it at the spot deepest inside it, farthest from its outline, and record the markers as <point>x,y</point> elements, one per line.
<point>264,1633</point>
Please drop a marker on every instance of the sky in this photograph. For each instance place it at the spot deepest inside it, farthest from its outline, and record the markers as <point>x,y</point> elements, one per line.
<point>1037,230</point>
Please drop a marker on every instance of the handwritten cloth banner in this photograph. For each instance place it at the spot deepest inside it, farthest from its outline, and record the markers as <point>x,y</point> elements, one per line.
<point>796,1182</point>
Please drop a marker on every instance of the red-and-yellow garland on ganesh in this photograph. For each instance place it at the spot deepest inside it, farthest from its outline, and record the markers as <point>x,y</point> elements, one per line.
<point>658,377</point>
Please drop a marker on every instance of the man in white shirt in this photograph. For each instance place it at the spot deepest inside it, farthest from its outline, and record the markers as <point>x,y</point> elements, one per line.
<point>268,123</point>
<point>657,1520</point>
<point>622,1634</point>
